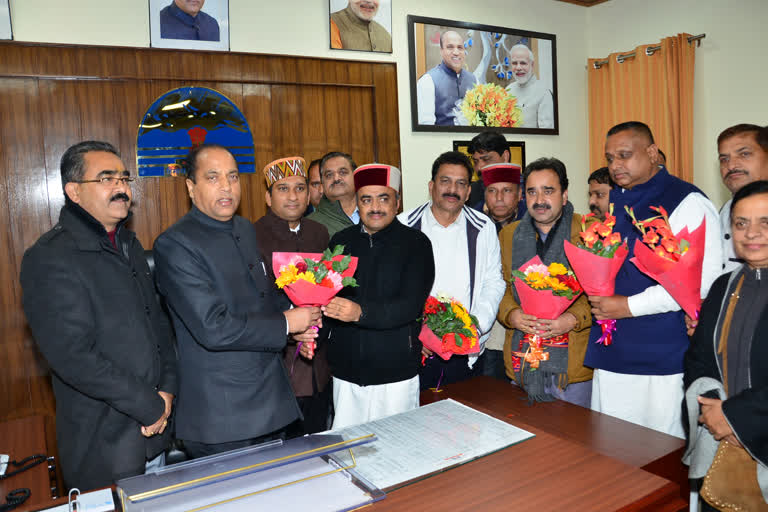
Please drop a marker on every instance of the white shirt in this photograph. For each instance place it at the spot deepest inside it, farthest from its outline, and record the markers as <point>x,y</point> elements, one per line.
<point>425,99</point>
<point>536,102</point>
<point>449,246</point>
<point>725,230</point>
<point>690,212</point>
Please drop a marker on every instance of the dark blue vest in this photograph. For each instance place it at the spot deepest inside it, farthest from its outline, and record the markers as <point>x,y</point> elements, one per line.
<point>449,88</point>
<point>651,344</point>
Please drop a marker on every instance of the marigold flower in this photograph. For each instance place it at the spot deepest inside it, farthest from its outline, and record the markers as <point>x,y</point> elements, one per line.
<point>557,269</point>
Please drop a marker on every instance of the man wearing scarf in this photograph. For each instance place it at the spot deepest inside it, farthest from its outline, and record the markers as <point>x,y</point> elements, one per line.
<point>549,222</point>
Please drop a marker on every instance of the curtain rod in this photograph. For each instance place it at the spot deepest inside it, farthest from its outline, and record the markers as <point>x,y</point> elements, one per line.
<point>648,51</point>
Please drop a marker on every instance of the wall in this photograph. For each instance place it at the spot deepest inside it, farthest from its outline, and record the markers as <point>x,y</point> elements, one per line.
<point>300,28</point>
<point>730,74</point>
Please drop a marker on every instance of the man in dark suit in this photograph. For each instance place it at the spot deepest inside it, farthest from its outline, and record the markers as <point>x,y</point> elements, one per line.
<point>91,305</point>
<point>233,388</point>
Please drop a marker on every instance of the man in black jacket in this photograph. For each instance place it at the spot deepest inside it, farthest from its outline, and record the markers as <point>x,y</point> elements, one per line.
<point>374,350</point>
<point>91,305</point>
<point>233,388</point>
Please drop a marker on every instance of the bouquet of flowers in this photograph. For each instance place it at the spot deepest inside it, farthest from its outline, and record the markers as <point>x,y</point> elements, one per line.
<point>449,328</point>
<point>313,279</point>
<point>597,260</point>
<point>673,260</point>
<point>544,292</point>
<point>490,105</point>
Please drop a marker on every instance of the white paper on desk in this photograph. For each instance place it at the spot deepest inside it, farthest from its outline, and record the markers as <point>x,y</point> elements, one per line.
<point>94,501</point>
<point>425,440</point>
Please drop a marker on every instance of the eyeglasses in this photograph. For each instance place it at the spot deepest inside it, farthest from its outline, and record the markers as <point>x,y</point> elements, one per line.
<point>110,181</point>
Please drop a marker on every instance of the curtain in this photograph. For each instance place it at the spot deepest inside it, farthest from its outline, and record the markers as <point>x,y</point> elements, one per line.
<point>655,89</point>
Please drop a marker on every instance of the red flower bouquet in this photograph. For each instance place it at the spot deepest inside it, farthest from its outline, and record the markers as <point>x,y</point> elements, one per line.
<point>313,279</point>
<point>544,292</point>
<point>449,328</point>
<point>673,260</point>
<point>596,261</point>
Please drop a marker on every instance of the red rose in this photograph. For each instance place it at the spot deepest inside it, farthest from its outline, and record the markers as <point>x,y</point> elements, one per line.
<point>301,266</point>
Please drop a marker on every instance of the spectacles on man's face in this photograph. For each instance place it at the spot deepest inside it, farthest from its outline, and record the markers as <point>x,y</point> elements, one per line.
<point>110,181</point>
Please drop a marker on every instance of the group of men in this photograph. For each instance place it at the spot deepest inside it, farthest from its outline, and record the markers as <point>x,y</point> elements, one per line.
<point>246,366</point>
<point>439,90</point>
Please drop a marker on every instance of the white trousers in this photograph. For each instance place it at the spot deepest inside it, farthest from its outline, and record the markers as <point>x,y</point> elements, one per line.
<point>653,401</point>
<point>360,404</point>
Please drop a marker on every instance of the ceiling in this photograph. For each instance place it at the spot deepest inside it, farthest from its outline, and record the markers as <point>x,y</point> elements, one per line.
<point>585,3</point>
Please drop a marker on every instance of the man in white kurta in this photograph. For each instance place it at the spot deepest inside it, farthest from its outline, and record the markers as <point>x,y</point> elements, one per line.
<point>467,259</point>
<point>533,97</point>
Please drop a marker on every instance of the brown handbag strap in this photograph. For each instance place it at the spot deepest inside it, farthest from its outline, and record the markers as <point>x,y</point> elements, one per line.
<point>722,348</point>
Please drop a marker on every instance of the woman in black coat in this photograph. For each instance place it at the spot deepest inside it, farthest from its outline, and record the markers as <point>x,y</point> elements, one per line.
<point>742,364</point>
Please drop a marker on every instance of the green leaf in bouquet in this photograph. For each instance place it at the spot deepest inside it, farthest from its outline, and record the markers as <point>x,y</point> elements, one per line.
<point>349,281</point>
<point>518,274</point>
<point>337,251</point>
<point>320,273</point>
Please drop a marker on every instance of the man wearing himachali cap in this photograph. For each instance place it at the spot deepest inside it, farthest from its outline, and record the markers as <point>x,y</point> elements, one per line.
<point>374,350</point>
<point>283,229</point>
<point>502,195</point>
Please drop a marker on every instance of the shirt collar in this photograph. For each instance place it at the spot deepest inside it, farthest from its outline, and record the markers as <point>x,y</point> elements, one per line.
<point>432,221</point>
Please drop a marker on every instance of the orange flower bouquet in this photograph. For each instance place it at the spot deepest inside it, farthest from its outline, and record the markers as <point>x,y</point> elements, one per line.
<point>490,105</point>
<point>597,260</point>
<point>449,328</point>
<point>545,291</point>
<point>673,260</point>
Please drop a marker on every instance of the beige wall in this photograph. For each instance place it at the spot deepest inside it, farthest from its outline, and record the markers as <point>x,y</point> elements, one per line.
<point>731,74</point>
<point>300,27</point>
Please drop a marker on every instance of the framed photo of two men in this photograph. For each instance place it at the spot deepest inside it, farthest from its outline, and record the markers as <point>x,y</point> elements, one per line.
<point>467,77</point>
<point>189,24</point>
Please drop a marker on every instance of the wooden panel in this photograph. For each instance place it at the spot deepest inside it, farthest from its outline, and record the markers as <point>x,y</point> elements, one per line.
<point>52,96</point>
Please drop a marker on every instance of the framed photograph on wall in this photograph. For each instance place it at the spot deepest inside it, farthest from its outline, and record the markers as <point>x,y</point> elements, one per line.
<point>516,153</point>
<point>5,20</point>
<point>189,24</point>
<point>467,77</point>
<point>362,25</point>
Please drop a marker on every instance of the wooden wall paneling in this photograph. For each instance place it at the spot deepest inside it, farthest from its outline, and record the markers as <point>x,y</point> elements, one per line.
<point>22,164</point>
<point>362,143</point>
<point>283,69</point>
<point>257,109</point>
<point>312,122</point>
<point>60,130</point>
<point>387,116</point>
<point>360,73</point>
<point>336,100</point>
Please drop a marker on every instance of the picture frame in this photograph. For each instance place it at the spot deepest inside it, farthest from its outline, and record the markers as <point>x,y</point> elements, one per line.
<point>171,25</point>
<point>347,18</point>
<point>516,153</point>
<point>500,88</point>
<point>6,31</point>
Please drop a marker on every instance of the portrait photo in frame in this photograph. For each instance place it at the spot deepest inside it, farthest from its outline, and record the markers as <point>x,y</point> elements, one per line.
<point>467,77</point>
<point>189,24</point>
<point>5,20</point>
<point>361,25</point>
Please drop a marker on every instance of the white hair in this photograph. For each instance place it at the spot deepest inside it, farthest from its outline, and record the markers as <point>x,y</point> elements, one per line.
<point>518,46</point>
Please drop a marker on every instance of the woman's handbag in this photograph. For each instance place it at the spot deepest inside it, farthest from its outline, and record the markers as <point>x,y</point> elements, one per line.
<point>730,484</point>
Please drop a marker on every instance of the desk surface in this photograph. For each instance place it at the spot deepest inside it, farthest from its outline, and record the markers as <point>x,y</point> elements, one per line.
<point>579,460</point>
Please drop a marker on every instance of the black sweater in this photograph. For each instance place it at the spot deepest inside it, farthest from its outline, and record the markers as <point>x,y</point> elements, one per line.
<point>395,273</point>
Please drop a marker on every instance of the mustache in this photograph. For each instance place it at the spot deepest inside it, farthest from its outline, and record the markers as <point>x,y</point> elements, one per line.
<point>455,196</point>
<point>120,196</point>
<point>594,208</point>
<point>371,214</point>
<point>337,182</point>
<point>543,205</point>
<point>735,171</point>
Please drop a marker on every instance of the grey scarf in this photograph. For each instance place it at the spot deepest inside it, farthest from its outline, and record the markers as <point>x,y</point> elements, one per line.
<point>526,245</point>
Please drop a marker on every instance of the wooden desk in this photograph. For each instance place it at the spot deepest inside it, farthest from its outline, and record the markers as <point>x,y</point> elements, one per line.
<point>19,439</point>
<point>579,461</point>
